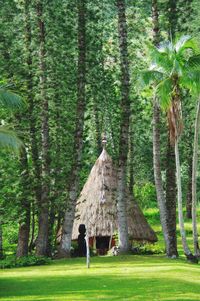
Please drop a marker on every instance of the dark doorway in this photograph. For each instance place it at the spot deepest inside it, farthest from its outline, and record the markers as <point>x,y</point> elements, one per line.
<point>102,244</point>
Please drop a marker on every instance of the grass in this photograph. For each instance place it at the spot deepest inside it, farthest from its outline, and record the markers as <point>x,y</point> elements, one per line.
<point>132,278</point>
<point>109,278</point>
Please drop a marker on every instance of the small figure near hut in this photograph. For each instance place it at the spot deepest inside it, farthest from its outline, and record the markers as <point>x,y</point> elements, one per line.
<point>81,241</point>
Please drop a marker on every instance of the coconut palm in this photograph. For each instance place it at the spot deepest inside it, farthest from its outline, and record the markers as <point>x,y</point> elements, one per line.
<point>11,101</point>
<point>174,66</point>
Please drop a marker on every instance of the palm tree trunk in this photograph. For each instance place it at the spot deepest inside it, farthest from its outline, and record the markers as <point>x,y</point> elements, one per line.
<point>24,227</point>
<point>124,128</point>
<point>65,244</point>
<point>194,182</point>
<point>168,221</point>
<point>186,249</point>
<point>171,197</point>
<point>171,252</point>
<point>42,239</point>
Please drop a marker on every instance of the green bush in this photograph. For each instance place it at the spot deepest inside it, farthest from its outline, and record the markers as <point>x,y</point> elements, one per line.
<point>145,194</point>
<point>12,261</point>
<point>147,249</point>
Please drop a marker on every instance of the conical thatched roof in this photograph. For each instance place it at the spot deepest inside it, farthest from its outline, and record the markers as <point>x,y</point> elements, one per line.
<point>96,206</point>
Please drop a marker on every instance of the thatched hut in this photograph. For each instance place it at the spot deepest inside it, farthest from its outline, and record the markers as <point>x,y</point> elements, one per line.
<point>96,208</point>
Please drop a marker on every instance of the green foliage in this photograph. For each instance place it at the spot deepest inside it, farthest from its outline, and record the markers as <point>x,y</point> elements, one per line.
<point>13,262</point>
<point>145,194</point>
<point>170,61</point>
<point>9,140</point>
<point>10,100</point>
<point>147,249</point>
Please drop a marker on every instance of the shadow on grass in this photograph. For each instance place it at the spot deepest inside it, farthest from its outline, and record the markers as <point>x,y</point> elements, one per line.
<point>95,287</point>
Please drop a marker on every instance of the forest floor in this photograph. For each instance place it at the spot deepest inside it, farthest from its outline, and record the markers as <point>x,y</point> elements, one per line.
<point>131,277</point>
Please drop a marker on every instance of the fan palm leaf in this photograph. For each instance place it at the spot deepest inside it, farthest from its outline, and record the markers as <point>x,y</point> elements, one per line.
<point>10,100</point>
<point>9,139</point>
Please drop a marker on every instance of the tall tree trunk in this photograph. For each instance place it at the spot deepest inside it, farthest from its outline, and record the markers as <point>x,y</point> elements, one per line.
<point>167,221</point>
<point>36,183</point>
<point>194,182</point>
<point>42,239</point>
<point>65,244</point>
<point>189,189</point>
<point>172,18</point>
<point>1,239</point>
<point>186,249</point>
<point>24,228</point>
<point>124,128</point>
<point>32,238</point>
<point>158,179</point>
<point>171,198</point>
<point>51,229</point>
<point>131,154</point>
<point>171,190</point>
<point>97,125</point>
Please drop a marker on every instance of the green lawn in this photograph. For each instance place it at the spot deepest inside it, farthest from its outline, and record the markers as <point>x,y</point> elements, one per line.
<point>120,278</point>
<point>109,278</point>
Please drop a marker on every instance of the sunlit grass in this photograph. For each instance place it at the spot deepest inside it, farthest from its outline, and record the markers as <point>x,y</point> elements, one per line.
<point>109,278</point>
<point>134,278</point>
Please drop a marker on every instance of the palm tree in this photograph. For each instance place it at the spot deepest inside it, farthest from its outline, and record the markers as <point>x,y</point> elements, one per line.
<point>174,66</point>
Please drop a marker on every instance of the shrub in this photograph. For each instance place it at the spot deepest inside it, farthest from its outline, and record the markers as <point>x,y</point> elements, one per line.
<point>145,194</point>
<point>147,249</point>
<point>13,262</point>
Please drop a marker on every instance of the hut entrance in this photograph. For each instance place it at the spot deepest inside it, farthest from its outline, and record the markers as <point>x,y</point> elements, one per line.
<point>102,244</point>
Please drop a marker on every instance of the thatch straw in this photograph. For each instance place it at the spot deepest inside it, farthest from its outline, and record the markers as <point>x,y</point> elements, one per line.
<point>96,206</point>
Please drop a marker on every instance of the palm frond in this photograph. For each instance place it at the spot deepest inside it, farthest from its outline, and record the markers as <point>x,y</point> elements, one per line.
<point>191,81</point>
<point>193,62</point>
<point>166,47</point>
<point>148,77</point>
<point>181,42</point>
<point>164,90</point>
<point>161,59</point>
<point>9,140</point>
<point>10,100</point>
<point>187,42</point>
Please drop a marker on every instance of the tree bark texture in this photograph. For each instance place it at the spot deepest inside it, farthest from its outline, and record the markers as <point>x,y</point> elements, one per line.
<point>32,118</point>
<point>171,197</point>
<point>171,252</point>
<point>194,183</point>
<point>1,239</point>
<point>42,239</point>
<point>180,205</point>
<point>172,18</point>
<point>24,224</point>
<point>189,190</point>
<point>171,190</point>
<point>166,207</point>
<point>78,139</point>
<point>32,236</point>
<point>97,125</point>
<point>131,157</point>
<point>124,127</point>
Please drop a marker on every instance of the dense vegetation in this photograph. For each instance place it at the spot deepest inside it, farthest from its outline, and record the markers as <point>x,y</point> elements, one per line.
<point>83,69</point>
